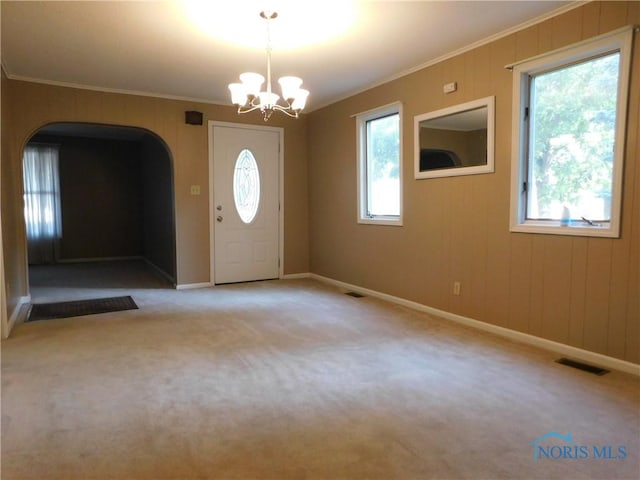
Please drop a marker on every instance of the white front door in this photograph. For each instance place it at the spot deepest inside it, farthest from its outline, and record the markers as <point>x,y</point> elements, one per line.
<point>245,203</point>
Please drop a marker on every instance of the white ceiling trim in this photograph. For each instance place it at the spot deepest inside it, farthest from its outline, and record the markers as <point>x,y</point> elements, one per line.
<point>94,88</point>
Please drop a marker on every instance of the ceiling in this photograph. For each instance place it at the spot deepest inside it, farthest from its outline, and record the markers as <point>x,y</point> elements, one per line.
<point>155,47</point>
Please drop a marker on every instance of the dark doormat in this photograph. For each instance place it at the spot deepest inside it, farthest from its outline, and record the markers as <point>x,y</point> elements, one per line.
<point>48,311</point>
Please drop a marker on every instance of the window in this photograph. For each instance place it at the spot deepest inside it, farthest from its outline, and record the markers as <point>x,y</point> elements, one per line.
<point>380,166</point>
<point>246,186</point>
<point>42,213</point>
<point>569,130</point>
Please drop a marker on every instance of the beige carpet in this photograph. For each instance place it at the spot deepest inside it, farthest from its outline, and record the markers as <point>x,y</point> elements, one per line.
<point>290,380</point>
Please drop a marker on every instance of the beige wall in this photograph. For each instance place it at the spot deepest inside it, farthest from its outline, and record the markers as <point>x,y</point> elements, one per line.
<point>575,290</point>
<point>28,106</point>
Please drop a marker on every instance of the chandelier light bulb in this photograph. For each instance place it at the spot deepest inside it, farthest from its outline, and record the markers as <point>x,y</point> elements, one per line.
<point>253,82</point>
<point>300,100</point>
<point>268,100</point>
<point>290,87</point>
<point>238,94</point>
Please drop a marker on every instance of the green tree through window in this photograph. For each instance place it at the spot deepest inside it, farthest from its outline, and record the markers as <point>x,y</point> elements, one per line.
<point>383,165</point>
<point>380,165</point>
<point>572,132</point>
<point>568,144</point>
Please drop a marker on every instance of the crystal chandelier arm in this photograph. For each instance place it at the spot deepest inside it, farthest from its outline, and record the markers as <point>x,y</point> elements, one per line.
<point>288,110</point>
<point>250,108</point>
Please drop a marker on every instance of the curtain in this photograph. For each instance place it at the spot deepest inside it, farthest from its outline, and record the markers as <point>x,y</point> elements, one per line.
<point>42,202</point>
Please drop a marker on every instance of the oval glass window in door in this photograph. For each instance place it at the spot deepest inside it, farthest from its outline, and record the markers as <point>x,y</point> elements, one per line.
<point>246,186</point>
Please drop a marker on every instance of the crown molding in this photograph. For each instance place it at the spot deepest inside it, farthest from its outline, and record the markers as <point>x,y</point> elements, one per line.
<point>81,86</point>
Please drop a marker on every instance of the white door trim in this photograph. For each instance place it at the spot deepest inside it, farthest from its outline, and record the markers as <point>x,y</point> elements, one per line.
<point>280,131</point>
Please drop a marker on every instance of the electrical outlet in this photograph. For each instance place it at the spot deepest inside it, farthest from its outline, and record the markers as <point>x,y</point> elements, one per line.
<point>456,288</point>
<point>195,189</point>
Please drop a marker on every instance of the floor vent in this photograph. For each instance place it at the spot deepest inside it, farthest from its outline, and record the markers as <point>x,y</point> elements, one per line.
<point>582,366</point>
<point>354,294</point>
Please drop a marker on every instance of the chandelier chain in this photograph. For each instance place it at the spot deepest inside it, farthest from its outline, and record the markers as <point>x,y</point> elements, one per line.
<point>269,18</point>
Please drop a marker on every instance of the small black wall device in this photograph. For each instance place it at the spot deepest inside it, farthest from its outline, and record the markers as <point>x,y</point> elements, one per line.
<point>193,118</point>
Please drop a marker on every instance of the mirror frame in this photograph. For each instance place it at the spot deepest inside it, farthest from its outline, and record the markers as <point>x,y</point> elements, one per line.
<point>489,103</point>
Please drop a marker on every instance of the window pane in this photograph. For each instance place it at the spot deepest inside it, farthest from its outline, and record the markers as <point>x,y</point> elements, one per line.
<point>246,186</point>
<point>43,218</point>
<point>572,133</point>
<point>383,166</point>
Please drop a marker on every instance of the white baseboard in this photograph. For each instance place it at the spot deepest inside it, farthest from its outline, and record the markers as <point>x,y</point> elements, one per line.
<point>97,259</point>
<point>191,286</point>
<point>15,315</point>
<point>295,276</point>
<point>574,352</point>
<point>160,272</point>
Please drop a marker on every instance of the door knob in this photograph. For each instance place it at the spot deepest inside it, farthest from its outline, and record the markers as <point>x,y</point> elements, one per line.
<point>219,207</point>
<point>219,218</point>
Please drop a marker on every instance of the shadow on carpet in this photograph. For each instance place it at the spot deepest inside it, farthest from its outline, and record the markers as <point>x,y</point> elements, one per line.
<point>78,308</point>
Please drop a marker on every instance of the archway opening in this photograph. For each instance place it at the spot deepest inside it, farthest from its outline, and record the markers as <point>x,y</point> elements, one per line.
<point>98,197</point>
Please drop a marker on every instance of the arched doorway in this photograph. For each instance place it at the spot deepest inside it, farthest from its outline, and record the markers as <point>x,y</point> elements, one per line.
<point>111,197</point>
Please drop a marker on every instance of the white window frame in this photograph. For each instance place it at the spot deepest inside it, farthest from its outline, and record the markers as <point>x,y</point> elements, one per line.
<point>619,40</point>
<point>361,142</point>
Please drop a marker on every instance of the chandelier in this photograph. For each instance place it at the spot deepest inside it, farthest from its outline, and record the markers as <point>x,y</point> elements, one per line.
<point>248,96</point>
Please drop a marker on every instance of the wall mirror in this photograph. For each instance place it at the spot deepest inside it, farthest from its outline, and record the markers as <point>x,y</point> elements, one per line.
<point>456,140</point>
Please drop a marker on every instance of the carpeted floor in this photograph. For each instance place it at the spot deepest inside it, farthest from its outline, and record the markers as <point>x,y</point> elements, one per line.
<point>294,380</point>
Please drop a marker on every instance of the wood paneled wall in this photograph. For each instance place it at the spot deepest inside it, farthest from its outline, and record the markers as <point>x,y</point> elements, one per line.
<point>157,204</point>
<point>580,291</point>
<point>101,203</point>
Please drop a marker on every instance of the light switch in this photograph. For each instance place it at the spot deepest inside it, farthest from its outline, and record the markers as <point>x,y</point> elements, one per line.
<point>195,189</point>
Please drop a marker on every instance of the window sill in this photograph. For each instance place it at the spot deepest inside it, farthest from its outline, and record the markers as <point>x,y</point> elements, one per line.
<point>388,221</point>
<point>576,229</point>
